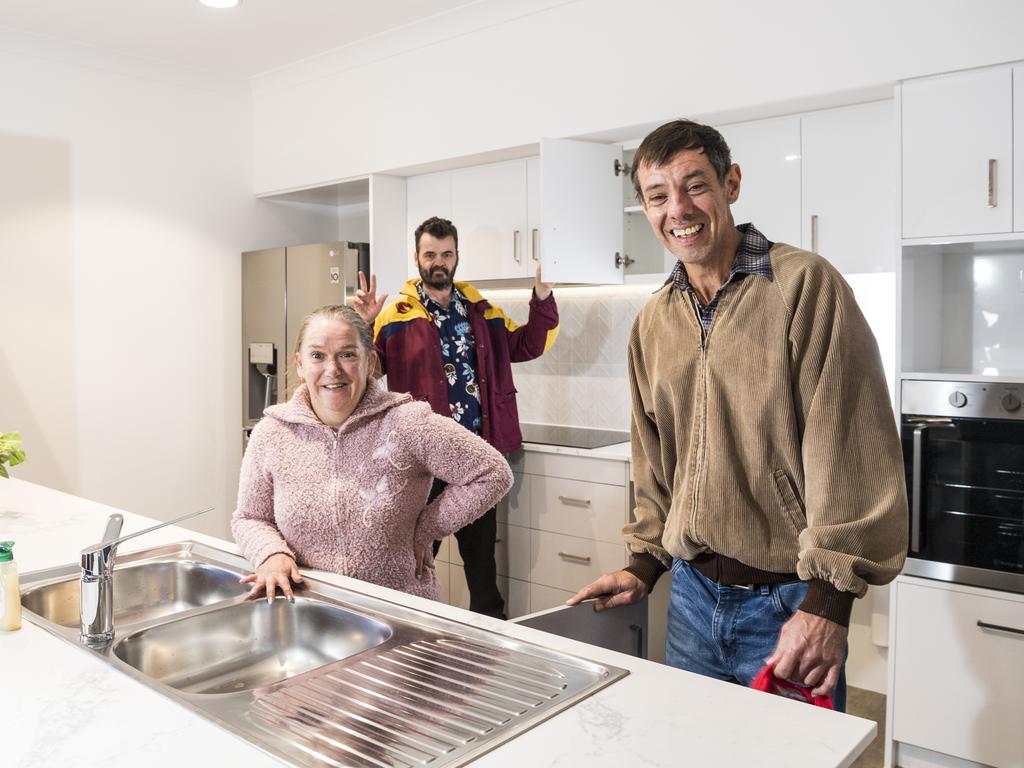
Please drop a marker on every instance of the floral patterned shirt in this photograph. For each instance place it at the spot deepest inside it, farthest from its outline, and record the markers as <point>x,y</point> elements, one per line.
<point>458,351</point>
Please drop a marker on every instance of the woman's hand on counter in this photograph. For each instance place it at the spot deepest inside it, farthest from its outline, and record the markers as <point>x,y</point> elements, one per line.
<point>611,591</point>
<point>276,572</point>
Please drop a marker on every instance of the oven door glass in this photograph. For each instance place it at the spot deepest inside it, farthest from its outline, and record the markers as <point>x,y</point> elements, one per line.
<point>966,483</point>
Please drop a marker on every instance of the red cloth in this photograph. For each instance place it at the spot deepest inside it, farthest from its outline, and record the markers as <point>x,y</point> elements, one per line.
<point>765,680</point>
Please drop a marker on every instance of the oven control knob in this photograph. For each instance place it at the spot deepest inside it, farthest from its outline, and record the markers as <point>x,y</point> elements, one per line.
<point>1011,401</point>
<point>958,399</point>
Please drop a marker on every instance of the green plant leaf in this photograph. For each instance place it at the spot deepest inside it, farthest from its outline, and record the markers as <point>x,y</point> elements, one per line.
<point>3,472</point>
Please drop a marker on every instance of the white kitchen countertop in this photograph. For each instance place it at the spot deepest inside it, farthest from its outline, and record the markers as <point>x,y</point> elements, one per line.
<point>62,706</point>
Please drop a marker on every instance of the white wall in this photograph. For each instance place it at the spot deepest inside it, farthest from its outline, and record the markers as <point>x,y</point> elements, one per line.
<point>125,202</point>
<point>500,74</point>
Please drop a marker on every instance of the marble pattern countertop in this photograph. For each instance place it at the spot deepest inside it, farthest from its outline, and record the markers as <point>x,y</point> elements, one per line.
<point>61,706</point>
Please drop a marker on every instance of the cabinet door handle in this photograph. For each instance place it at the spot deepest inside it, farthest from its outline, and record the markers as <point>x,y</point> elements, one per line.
<point>814,233</point>
<point>992,168</point>
<point>515,247</point>
<point>986,625</point>
<point>574,502</point>
<point>639,640</point>
<point>585,559</point>
<point>533,245</point>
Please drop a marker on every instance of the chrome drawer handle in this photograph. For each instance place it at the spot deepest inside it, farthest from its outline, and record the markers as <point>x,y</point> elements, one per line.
<point>585,559</point>
<point>574,502</point>
<point>992,183</point>
<point>997,627</point>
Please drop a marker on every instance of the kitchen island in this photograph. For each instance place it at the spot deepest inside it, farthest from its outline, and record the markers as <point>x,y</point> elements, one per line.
<point>63,706</point>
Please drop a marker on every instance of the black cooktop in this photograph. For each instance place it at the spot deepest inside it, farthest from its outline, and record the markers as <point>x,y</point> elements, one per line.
<point>572,437</point>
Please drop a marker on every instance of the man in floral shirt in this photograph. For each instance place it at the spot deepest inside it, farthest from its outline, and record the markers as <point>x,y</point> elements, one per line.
<point>444,343</point>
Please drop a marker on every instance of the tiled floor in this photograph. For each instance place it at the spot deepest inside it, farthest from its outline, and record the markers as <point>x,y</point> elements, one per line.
<point>871,706</point>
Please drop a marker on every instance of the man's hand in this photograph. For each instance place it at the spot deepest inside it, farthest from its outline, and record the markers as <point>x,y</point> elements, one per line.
<point>542,290</point>
<point>611,590</point>
<point>366,302</point>
<point>810,650</point>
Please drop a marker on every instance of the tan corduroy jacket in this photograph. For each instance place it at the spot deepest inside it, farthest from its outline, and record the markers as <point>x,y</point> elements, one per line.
<point>771,438</point>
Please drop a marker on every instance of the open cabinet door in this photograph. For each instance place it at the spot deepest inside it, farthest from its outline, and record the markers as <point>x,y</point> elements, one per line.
<point>582,210</point>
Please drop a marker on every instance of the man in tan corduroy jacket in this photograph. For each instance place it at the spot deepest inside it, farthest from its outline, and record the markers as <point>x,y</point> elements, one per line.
<point>767,467</point>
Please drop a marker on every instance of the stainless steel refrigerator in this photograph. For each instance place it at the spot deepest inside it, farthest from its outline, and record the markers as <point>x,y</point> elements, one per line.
<point>280,286</point>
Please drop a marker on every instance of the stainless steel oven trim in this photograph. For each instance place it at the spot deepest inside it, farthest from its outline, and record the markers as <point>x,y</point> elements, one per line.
<point>965,574</point>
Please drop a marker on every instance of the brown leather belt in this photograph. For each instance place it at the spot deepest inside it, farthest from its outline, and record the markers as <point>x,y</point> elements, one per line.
<point>729,572</point>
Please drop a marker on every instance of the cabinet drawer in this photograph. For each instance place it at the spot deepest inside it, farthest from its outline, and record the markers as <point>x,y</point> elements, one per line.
<point>577,508</point>
<point>568,562</point>
<point>515,592</point>
<point>512,551</point>
<point>542,598</point>
<point>957,685</point>
<point>515,507</point>
<point>444,553</point>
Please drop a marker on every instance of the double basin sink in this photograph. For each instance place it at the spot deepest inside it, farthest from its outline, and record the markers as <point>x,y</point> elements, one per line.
<point>335,678</point>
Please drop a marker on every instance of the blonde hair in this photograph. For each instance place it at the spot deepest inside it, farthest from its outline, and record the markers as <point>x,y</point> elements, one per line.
<point>345,314</point>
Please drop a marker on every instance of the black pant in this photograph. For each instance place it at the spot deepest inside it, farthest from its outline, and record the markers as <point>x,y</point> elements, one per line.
<point>476,546</point>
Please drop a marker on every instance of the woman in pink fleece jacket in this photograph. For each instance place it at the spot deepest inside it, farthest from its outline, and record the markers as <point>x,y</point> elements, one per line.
<point>337,478</point>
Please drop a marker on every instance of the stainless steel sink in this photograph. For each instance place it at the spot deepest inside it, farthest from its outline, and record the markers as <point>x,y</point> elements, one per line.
<point>337,678</point>
<point>142,592</point>
<point>248,645</point>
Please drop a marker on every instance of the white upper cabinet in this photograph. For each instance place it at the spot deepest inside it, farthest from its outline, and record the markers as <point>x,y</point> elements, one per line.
<point>581,199</point>
<point>489,209</point>
<point>562,209</point>
<point>848,166</point>
<point>425,196</point>
<point>957,147</point>
<point>1018,143</point>
<point>768,154</point>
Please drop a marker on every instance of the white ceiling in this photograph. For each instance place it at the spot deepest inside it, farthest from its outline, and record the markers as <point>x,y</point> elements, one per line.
<point>256,37</point>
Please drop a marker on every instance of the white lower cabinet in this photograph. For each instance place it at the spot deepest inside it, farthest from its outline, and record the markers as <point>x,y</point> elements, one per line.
<point>958,675</point>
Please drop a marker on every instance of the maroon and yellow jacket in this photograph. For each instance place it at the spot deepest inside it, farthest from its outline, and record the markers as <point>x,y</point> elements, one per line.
<point>409,348</point>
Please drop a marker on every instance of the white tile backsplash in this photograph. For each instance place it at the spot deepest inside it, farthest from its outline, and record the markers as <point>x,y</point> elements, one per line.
<point>581,380</point>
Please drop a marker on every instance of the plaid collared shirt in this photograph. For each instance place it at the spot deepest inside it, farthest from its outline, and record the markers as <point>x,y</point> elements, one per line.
<point>751,259</point>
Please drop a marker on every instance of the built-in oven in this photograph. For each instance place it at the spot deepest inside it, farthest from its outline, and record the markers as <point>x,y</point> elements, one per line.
<point>963,448</point>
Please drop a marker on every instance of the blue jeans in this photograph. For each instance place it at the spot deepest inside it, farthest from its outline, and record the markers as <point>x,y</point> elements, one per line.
<point>728,632</point>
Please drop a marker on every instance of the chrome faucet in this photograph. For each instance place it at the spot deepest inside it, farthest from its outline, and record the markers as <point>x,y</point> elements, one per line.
<point>97,585</point>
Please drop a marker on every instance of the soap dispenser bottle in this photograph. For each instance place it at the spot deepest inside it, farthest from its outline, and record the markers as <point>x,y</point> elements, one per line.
<point>10,595</point>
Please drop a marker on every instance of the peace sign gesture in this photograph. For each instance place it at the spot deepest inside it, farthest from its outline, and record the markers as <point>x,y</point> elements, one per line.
<point>366,302</point>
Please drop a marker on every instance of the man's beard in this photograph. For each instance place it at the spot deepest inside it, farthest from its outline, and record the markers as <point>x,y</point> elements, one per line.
<point>438,278</point>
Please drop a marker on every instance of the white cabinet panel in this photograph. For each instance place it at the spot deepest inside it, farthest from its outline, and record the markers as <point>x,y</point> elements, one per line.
<point>953,128</point>
<point>425,196</point>
<point>768,154</point>
<point>957,686</point>
<point>517,597</point>
<point>542,598</point>
<point>569,562</point>
<point>443,578</point>
<point>513,551</point>
<point>849,202</point>
<point>534,218</point>
<point>489,211</point>
<point>1018,143</point>
<point>577,508</point>
<point>515,507</point>
<point>582,204</point>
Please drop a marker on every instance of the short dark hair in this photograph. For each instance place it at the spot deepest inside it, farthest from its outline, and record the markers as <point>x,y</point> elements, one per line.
<point>664,142</point>
<point>437,227</point>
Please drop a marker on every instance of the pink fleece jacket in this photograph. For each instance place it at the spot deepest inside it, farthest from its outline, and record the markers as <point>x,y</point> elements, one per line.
<point>356,502</point>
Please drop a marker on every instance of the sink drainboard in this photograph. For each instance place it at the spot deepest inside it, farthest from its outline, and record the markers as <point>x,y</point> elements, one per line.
<point>422,691</point>
<point>418,704</point>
